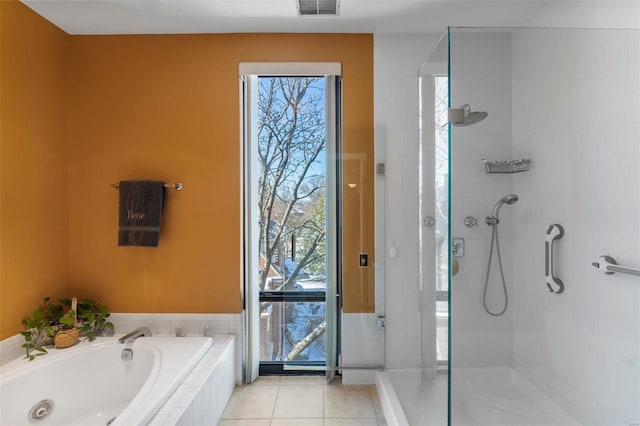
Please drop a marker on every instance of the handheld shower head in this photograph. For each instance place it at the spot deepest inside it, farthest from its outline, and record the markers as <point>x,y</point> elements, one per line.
<point>493,222</point>
<point>509,199</point>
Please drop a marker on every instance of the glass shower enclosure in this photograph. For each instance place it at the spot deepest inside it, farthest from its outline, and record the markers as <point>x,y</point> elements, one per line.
<point>529,197</point>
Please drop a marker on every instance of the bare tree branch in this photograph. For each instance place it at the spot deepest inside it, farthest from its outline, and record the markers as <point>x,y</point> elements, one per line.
<point>304,343</point>
<point>291,138</point>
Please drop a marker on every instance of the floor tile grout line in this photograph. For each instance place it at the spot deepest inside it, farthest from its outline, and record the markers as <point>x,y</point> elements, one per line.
<point>324,416</point>
<point>275,403</point>
<point>323,402</point>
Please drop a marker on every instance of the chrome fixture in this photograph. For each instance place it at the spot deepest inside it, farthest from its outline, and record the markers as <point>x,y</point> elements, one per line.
<point>609,266</point>
<point>493,219</point>
<point>470,221</point>
<point>138,332</point>
<point>126,354</point>
<point>512,166</point>
<point>40,410</point>
<point>463,116</point>
<point>493,222</point>
<point>380,322</point>
<point>429,221</point>
<point>457,247</point>
<point>180,332</point>
<point>554,233</point>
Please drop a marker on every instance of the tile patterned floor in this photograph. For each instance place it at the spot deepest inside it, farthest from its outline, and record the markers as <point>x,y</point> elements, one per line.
<point>303,401</point>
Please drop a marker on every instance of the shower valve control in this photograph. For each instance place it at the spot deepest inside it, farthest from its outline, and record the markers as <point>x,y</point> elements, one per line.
<point>470,221</point>
<point>380,322</point>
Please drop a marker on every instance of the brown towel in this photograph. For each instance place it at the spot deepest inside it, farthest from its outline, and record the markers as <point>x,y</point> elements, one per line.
<point>141,204</point>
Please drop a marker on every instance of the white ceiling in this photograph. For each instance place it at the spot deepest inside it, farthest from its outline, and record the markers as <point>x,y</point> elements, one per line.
<point>225,16</point>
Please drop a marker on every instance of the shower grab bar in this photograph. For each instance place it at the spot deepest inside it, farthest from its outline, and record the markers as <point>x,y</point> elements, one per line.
<point>554,233</point>
<point>609,266</point>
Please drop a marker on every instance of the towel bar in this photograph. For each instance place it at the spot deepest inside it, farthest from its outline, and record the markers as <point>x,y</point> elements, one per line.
<point>178,185</point>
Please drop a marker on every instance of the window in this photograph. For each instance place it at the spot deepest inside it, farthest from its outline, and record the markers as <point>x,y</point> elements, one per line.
<point>290,222</point>
<point>441,156</point>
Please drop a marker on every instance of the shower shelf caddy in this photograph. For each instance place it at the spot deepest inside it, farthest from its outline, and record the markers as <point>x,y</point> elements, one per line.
<point>512,166</point>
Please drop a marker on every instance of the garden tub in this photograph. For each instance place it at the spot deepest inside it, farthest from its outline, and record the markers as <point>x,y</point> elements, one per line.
<point>91,383</point>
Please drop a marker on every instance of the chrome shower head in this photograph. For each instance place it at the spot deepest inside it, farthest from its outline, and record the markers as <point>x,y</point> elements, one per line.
<point>509,199</point>
<point>471,117</point>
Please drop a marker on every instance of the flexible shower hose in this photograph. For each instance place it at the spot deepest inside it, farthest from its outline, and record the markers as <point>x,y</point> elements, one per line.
<point>494,237</point>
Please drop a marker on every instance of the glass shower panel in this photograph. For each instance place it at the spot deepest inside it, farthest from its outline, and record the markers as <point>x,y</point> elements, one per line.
<point>538,334</point>
<point>432,382</point>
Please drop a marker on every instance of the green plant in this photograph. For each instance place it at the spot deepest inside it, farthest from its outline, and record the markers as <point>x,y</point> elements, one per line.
<point>93,318</point>
<point>51,317</point>
<point>41,328</point>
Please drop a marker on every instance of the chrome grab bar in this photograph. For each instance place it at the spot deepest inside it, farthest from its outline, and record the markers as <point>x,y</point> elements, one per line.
<point>554,233</point>
<point>609,266</point>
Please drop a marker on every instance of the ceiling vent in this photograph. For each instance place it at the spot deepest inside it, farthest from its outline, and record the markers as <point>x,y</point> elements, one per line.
<point>318,7</point>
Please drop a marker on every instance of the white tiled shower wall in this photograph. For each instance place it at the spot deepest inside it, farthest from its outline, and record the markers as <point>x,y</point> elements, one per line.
<point>572,104</point>
<point>481,77</point>
<point>576,113</point>
<point>396,61</point>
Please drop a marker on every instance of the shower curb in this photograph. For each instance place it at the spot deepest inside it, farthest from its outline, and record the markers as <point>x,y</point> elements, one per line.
<point>393,412</point>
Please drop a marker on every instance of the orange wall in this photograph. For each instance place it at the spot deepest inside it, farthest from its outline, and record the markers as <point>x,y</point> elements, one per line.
<point>81,112</point>
<point>33,163</point>
<point>167,107</point>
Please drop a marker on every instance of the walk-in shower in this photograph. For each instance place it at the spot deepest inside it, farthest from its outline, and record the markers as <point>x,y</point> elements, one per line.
<point>568,356</point>
<point>493,222</point>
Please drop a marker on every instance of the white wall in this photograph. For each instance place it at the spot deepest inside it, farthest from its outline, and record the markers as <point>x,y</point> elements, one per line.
<point>396,61</point>
<point>576,113</point>
<point>362,346</point>
<point>481,77</point>
<point>479,339</point>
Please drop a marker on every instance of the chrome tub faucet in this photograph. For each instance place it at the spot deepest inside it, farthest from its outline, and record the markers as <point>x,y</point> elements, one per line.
<point>138,332</point>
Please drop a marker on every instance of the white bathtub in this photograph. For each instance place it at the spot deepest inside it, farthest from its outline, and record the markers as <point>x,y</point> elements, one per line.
<point>91,385</point>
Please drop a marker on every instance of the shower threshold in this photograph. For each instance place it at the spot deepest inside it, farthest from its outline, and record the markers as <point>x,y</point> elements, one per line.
<point>495,396</point>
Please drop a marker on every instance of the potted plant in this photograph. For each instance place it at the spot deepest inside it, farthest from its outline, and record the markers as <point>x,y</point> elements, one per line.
<point>92,317</point>
<point>51,324</point>
<point>68,333</point>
